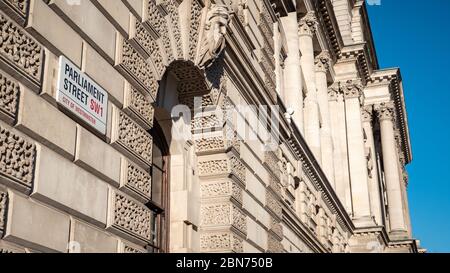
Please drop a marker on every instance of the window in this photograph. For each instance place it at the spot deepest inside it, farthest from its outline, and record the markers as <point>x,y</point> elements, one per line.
<point>159,203</point>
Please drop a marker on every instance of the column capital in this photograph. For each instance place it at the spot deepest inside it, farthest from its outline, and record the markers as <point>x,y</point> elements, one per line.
<point>353,89</point>
<point>334,92</point>
<point>385,111</point>
<point>307,25</point>
<point>367,113</point>
<point>323,61</point>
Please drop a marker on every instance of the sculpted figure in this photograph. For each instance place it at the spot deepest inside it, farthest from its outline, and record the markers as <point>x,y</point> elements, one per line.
<point>213,41</point>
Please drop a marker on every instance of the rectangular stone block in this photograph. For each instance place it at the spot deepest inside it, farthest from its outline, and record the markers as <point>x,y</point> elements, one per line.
<point>70,188</point>
<point>136,7</point>
<point>96,156</point>
<point>91,24</point>
<point>34,225</point>
<point>53,32</point>
<point>117,13</point>
<point>256,233</point>
<point>104,74</point>
<point>44,122</point>
<point>87,239</point>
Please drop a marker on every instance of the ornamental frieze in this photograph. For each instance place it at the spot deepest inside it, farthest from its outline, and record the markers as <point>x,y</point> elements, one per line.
<point>9,97</point>
<point>18,49</point>
<point>17,158</point>
<point>131,218</point>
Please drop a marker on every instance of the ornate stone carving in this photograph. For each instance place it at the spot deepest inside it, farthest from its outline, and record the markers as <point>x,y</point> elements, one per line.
<point>196,14</point>
<point>238,168</point>
<point>274,245</point>
<point>323,61</point>
<point>221,189</point>
<point>276,228</point>
<point>138,69</point>
<point>213,167</point>
<point>131,217</point>
<point>3,204</point>
<point>221,241</point>
<point>334,92</point>
<point>271,160</point>
<point>130,249</point>
<point>385,111</point>
<point>134,138</point>
<point>213,41</point>
<point>223,214</point>
<point>141,106</point>
<point>353,89</point>
<point>9,96</point>
<point>273,204</point>
<point>17,158</point>
<point>308,24</point>
<point>20,50</point>
<point>210,144</point>
<point>138,181</point>
<point>150,46</point>
<point>172,11</point>
<point>367,113</point>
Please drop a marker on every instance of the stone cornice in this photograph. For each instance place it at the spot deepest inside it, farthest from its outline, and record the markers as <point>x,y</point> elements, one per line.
<point>358,53</point>
<point>330,26</point>
<point>319,179</point>
<point>392,77</point>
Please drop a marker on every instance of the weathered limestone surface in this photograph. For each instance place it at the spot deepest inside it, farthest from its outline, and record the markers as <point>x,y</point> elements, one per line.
<point>334,179</point>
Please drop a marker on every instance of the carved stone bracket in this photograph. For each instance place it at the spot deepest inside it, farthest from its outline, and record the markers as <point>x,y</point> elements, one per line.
<point>323,61</point>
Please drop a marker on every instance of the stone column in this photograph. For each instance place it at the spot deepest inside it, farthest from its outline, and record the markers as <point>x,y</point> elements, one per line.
<point>339,138</point>
<point>322,63</point>
<point>354,96</point>
<point>374,184</point>
<point>385,112</point>
<point>292,73</point>
<point>307,28</point>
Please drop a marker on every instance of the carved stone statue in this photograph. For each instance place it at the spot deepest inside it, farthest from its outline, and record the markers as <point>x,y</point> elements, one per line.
<point>213,41</point>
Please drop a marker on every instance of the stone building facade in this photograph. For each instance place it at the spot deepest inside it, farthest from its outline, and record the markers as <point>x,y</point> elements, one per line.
<point>321,169</point>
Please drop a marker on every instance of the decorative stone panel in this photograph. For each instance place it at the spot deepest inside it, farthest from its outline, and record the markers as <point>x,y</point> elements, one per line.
<point>172,11</point>
<point>3,204</point>
<point>194,30</point>
<point>125,247</point>
<point>274,245</point>
<point>222,214</point>
<point>273,204</point>
<point>276,228</point>
<point>17,159</point>
<point>223,188</point>
<point>210,144</point>
<point>213,167</point>
<point>130,218</point>
<point>149,45</point>
<point>16,9</point>
<point>132,138</point>
<point>136,182</point>
<point>20,51</point>
<point>137,69</point>
<point>271,160</point>
<point>139,106</point>
<point>156,20</point>
<point>221,242</point>
<point>238,168</point>
<point>9,97</point>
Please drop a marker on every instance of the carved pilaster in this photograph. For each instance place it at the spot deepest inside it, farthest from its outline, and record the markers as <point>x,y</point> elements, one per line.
<point>17,160</point>
<point>308,24</point>
<point>322,61</point>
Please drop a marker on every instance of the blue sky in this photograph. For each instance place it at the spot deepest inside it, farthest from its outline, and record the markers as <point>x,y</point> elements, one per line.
<point>415,36</point>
